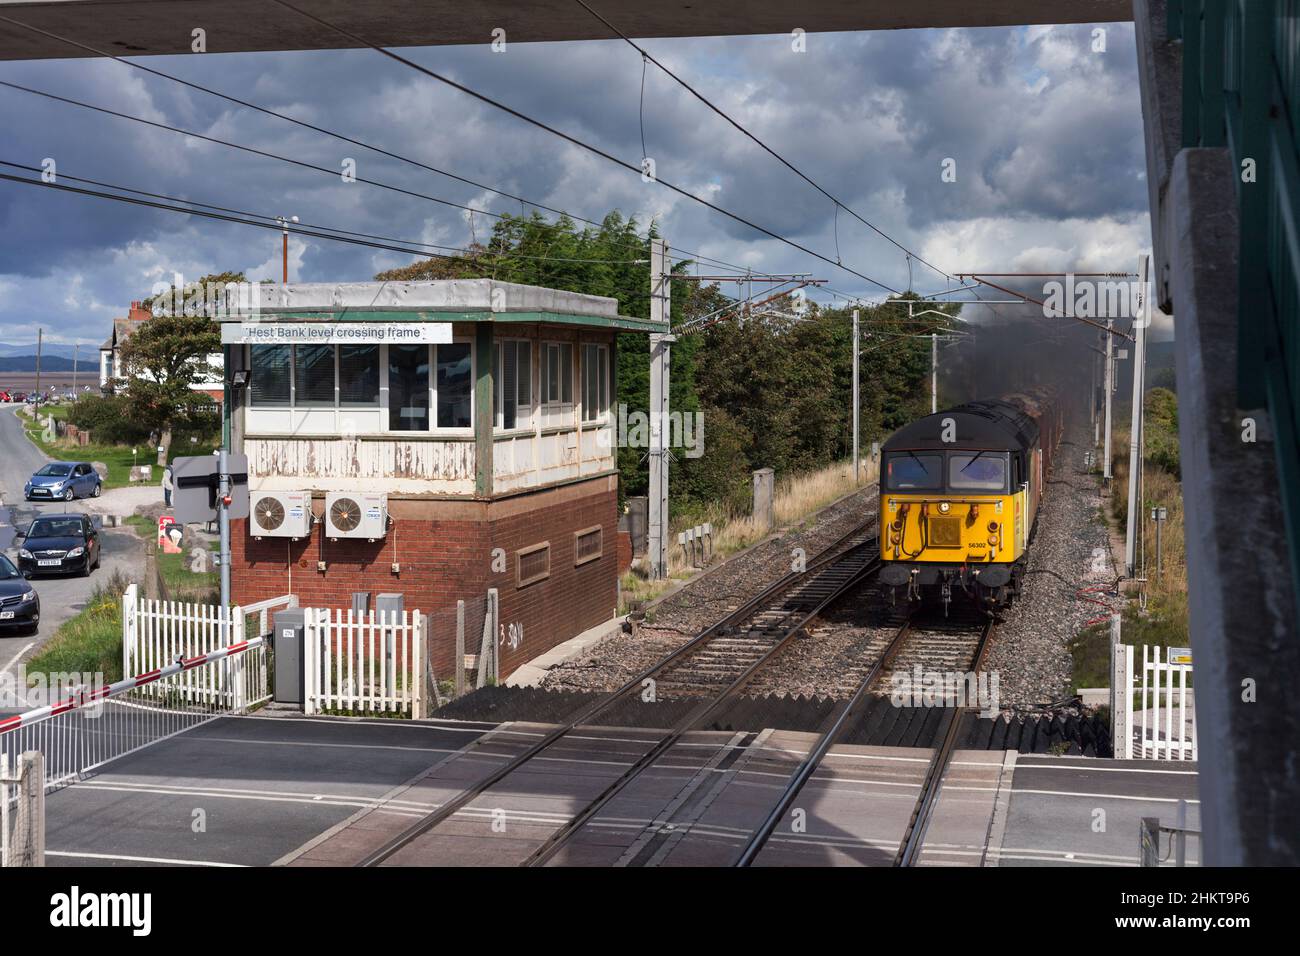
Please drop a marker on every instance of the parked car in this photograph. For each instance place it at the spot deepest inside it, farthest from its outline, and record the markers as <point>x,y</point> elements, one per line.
<point>4,396</point>
<point>20,606</point>
<point>59,543</point>
<point>18,397</point>
<point>63,479</point>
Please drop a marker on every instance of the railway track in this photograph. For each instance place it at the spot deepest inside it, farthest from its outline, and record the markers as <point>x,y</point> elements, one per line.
<point>951,646</point>
<point>709,670</point>
<point>909,850</point>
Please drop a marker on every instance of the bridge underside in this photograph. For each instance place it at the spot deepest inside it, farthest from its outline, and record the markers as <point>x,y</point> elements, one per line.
<point>143,27</point>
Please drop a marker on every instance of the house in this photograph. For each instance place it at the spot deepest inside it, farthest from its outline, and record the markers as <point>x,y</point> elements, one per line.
<point>110,363</point>
<point>446,437</point>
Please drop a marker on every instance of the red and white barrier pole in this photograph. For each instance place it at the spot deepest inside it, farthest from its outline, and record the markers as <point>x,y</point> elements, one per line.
<point>81,698</point>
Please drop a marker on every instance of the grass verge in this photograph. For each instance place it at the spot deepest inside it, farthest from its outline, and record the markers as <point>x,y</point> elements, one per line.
<point>90,642</point>
<point>117,458</point>
<point>796,498</point>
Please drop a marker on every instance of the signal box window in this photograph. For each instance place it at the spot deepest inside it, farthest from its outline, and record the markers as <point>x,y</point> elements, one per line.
<point>907,472</point>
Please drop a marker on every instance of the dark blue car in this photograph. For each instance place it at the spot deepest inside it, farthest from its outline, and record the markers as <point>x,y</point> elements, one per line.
<point>19,605</point>
<point>63,479</point>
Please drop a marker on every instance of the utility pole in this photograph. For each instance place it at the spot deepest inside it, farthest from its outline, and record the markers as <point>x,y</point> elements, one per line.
<point>1108,380</point>
<point>76,347</point>
<point>855,396</point>
<point>284,225</point>
<point>223,525</point>
<point>1140,323</point>
<point>934,372</point>
<point>660,367</point>
<point>40,333</point>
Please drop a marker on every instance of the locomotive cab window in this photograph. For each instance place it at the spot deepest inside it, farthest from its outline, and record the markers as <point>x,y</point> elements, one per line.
<point>978,471</point>
<point>909,471</point>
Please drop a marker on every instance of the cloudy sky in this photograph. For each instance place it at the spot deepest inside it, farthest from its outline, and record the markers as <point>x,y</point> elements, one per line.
<point>1046,134</point>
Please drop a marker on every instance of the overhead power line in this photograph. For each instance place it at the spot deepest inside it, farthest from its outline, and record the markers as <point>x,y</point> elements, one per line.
<point>483,251</point>
<point>646,55</point>
<point>293,119</point>
<point>341,136</point>
<point>297,229</point>
<point>261,221</point>
<point>581,144</point>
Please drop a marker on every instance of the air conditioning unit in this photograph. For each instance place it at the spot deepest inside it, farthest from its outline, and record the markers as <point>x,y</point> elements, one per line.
<point>355,514</point>
<point>280,514</point>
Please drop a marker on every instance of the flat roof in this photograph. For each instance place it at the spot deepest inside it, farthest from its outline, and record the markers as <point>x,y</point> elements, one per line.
<point>433,300</point>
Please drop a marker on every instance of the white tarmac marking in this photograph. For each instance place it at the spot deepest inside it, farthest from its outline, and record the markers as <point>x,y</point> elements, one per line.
<point>1101,796</point>
<point>1099,769</point>
<point>140,859</point>
<point>14,659</point>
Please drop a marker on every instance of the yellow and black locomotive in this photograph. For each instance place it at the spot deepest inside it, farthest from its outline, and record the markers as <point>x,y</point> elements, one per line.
<point>960,492</point>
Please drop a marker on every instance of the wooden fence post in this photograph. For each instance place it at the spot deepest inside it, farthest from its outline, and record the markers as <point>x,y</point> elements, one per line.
<point>460,648</point>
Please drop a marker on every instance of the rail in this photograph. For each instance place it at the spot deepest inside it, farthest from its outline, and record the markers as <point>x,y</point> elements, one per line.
<point>858,539</point>
<point>909,848</point>
<point>821,748</point>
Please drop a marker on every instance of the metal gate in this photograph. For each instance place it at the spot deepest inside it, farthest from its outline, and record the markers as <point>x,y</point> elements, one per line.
<point>1153,710</point>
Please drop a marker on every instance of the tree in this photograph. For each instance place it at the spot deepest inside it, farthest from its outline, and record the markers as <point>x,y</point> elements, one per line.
<point>168,355</point>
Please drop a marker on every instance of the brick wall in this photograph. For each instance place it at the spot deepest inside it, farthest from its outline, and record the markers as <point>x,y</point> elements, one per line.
<point>624,551</point>
<point>445,553</point>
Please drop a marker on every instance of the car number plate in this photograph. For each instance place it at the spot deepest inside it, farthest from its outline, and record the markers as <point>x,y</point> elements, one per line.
<point>49,562</point>
<point>6,615</point>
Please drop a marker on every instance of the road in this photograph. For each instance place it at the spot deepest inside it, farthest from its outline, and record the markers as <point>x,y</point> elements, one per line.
<point>61,597</point>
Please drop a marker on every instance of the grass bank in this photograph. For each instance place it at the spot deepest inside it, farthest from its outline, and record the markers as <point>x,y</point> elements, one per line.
<point>796,499</point>
<point>1159,616</point>
<point>90,642</point>
<point>118,458</point>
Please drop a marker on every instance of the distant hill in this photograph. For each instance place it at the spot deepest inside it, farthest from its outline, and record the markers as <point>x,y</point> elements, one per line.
<point>49,363</point>
<point>49,349</point>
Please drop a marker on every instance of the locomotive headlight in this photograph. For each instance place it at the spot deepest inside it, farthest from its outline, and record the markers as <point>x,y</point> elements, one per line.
<point>943,507</point>
<point>897,525</point>
<point>993,526</point>
<point>993,540</point>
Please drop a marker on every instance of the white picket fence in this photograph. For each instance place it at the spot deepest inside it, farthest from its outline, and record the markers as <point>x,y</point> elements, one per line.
<point>1153,709</point>
<point>368,663</point>
<point>156,633</point>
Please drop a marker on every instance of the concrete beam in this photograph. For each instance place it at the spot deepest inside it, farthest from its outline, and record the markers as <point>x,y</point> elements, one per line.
<point>1241,601</point>
<point>1160,80</point>
<point>144,27</point>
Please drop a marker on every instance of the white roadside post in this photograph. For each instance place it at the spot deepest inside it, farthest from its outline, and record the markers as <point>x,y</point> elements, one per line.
<point>1121,693</point>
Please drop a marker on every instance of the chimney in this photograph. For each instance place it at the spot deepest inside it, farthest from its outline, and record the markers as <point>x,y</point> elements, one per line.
<point>139,313</point>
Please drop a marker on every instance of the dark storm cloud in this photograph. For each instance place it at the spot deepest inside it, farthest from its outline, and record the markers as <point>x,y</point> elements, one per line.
<point>1046,134</point>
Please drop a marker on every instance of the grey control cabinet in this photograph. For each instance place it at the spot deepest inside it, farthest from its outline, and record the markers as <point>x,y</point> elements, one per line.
<point>289,630</point>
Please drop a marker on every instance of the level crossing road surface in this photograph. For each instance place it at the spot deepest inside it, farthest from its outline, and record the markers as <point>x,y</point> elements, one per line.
<point>256,791</point>
<point>240,791</point>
